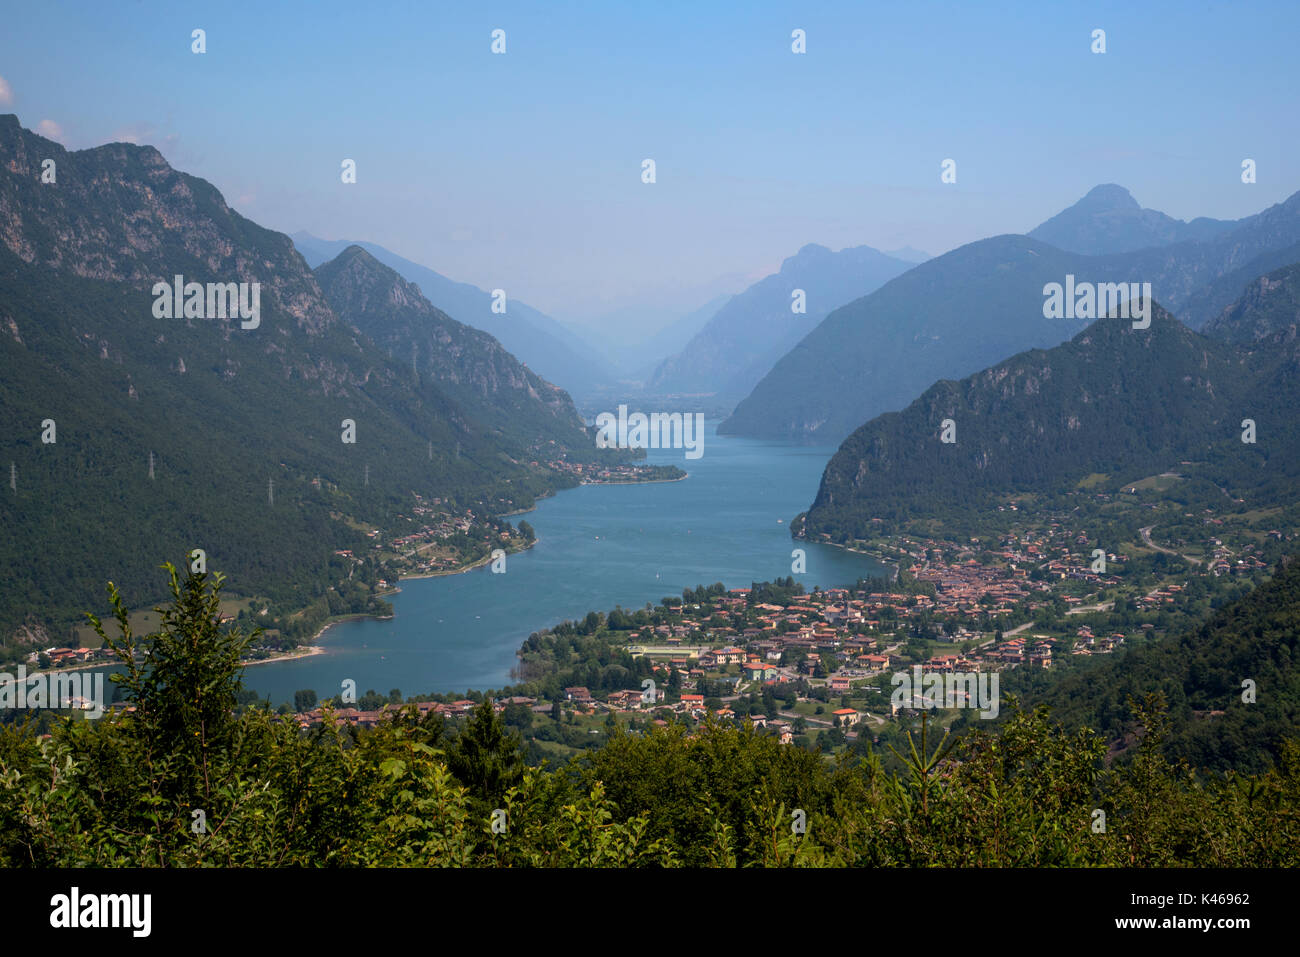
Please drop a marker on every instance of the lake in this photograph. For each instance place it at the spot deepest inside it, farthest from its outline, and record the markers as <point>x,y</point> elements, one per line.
<point>598,546</point>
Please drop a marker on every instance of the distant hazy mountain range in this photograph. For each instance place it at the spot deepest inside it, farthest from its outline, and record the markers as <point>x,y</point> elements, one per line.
<point>1109,220</point>
<point>983,302</point>
<point>548,347</point>
<point>740,343</point>
<point>135,437</point>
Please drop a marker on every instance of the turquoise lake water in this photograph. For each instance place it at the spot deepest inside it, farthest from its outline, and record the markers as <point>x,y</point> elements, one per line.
<point>598,546</point>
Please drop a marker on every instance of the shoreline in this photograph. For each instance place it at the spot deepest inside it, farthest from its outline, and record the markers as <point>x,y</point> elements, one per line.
<point>459,570</point>
<point>680,478</point>
<point>313,649</point>
<point>316,649</point>
<point>879,557</point>
<point>306,651</point>
<point>551,493</point>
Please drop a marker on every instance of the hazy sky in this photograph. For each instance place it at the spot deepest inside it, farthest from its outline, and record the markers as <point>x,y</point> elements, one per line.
<point>523,170</point>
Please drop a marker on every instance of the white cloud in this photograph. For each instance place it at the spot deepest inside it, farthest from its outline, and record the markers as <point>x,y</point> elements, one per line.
<point>6,92</point>
<point>50,130</point>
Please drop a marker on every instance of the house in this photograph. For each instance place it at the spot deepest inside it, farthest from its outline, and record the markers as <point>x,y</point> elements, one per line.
<point>694,703</point>
<point>577,694</point>
<point>848,717</point>
<point>839,684</point>
<point>63,656</point>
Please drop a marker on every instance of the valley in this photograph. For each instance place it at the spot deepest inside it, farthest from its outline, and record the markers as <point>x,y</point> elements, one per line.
<point>553,450</point>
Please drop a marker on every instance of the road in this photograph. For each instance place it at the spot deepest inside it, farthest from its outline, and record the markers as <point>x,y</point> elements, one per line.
<point>1146,538</point>
<point>1084,609</point>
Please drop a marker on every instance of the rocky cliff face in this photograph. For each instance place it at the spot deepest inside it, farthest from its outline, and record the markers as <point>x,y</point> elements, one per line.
<point>1269,305</point>
<point>120,212</point>
<point>469,364</point>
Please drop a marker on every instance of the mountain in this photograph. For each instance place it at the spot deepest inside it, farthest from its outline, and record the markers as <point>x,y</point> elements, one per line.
<point>468,365</point>
<point>1109,220</point>
<point>1115,402</point>
<point>1270,305</point>
<point>548,347</point>
<point>1214,297</point>
<point>1198,280</point>
<point>948,317</point>
<point>134,438</point>
<point>756,327</point>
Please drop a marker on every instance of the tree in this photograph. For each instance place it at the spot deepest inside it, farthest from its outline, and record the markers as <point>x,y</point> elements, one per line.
<point>183,679</point>
<point>304,700</point>
<point>486,757</point>
<point>518,716</point>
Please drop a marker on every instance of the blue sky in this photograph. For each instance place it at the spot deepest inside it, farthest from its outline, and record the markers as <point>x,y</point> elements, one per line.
<point>523,170</point>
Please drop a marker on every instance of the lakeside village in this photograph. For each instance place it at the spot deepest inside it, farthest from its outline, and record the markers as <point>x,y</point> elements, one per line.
<point>819,670</point>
